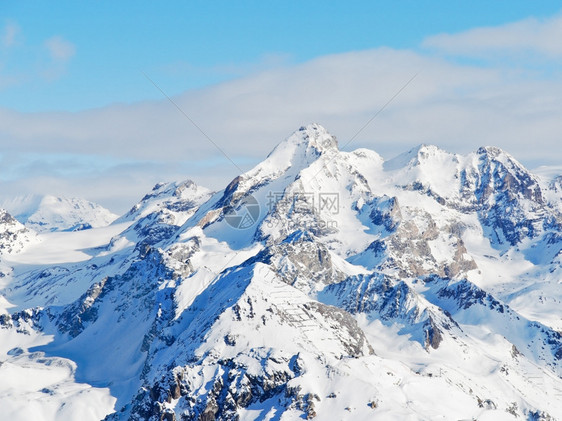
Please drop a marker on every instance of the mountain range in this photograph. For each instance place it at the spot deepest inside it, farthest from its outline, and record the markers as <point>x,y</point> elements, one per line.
<point>321,284</point>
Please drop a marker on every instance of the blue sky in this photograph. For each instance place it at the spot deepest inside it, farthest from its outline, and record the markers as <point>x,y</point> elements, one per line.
<point>187,45</point>
<point>79,118</point>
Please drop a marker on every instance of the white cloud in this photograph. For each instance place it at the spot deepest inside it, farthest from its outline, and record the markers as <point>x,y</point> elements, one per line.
<point>9,34</point>
<point>446,104</point>
<point>538,36</point>
<point>59,48</point>
<point>118,185</point>
<point>456,106</point>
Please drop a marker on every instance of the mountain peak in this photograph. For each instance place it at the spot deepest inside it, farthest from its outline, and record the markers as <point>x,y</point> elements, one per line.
<point>424,150</point>
<point>414,156</point>
<point>316,136</point>
<point>173,198</point>
<point>51,213</point>
<point>491,151</point>
<point>489,154</point>
<point>298,151</point>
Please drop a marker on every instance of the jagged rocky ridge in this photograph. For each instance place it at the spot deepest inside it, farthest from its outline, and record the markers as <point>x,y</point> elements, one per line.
<point>185,316</point>
<point>13,235</point>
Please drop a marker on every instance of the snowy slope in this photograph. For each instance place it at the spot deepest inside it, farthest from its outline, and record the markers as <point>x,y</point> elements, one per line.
<point>321,284</point>
<point>50,213</point>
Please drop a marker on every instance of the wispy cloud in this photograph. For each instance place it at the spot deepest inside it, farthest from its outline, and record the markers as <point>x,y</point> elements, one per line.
<point>60,52</point>
<point>43,61</point>
<point>452,104</point>
<point>10,34</point>
<point>536,36</point>
<point>265,62</point>
<point>59,48</point>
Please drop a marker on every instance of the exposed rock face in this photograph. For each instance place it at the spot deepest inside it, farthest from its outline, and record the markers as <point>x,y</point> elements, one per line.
<point>351,336</point>
<point>235,388</point>
<point>74,319</point>
<point>502,191</point>
<point>171,201</point>
<point>385,299</point>
<point>406,245</point>
<point>386,212</point>
<point>433,335</point>
<point>13,235</point>
<point>556,184</point>
<point>303,262</point>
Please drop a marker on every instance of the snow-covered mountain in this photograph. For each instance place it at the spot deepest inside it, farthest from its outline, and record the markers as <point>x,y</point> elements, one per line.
<point>50,213</point>
<point>321,284</point>
<point>13,235</point>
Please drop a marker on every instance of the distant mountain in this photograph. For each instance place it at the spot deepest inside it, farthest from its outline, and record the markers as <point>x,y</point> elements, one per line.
<point>321,284</point>
<point>50,213</point>
<point>13,235</point>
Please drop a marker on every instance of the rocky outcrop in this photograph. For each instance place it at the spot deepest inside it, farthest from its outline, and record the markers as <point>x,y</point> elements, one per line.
<point>13,235</point>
